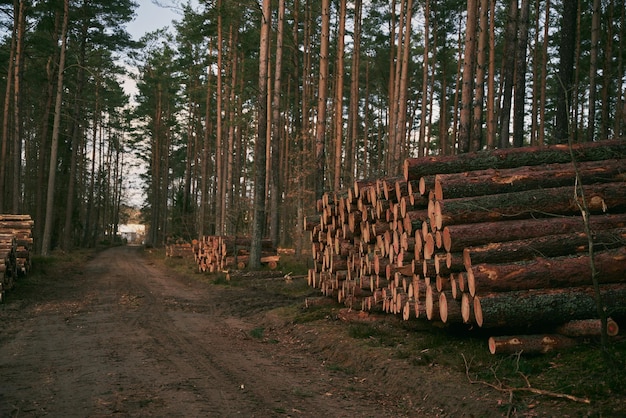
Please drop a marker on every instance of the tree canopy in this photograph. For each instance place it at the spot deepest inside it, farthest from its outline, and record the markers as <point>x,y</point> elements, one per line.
<point>343,91</point>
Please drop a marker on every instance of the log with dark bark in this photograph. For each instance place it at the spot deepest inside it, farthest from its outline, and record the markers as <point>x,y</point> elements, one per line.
<point>543,246</point>
<point>414,168</point>
<point>545,307</point>
<point>529,344</point>
<point>495,181</point>
<point>468,235</point>
<point>538,203</point>
<point>545,273</point>
<point>588,328</point>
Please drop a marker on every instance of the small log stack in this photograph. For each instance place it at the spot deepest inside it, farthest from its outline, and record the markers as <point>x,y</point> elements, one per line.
<point>181,249</point>
<point>506,247</point>
<point>16,245</point>
<point>219,253</point>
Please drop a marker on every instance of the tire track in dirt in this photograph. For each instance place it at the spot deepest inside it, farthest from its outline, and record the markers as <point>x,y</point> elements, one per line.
<point>124,336</point>
<point>171,343</point>
<point>208,357</point>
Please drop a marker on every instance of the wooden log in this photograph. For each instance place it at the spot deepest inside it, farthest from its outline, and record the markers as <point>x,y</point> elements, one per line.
<point>432,304</point>
<point>544,246</point>
<point>415,168</point>
<point>588,328</point>
<point>495,181</point>
<point>468,235</point>
<point>546,307</point>
<point>542,273</point>
<point>529,344</point>
<point>537,203</point>
<point>15,217</point>
<point>316,301</point>
<point>9,225</point>
<point>449,308</point>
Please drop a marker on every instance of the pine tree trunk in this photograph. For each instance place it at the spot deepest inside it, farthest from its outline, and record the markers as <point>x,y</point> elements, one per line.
<point>491,106</point>
<point>424,105</point>
<point>477,117</point>
<point>520,75</point>
<point>467,93</point>
<point>566,70</point>
<point>508,74</point>
<point>219,152</point>
<point>17,128</point>
<point>338,102</point>
<point>593,68</point>
<point>320,127</point>
<point>48,226</point>
<point>544,73</point>
<point>5,119</point>
<point>261,141</point>
<point>275,183</point>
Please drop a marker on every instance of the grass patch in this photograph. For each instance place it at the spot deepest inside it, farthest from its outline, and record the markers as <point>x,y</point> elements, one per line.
<point>377,334</point>
<point>297,266</point>
<point>257,333</point>
<point>334,367</point>
<point>582,371</point>
<point>313,314</point>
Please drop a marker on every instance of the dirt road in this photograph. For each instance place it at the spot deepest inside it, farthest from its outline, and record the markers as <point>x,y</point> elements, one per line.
<point>126,338</point>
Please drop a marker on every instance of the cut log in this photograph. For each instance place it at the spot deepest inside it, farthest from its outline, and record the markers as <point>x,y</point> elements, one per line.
<point>538,203</point>
<point>449,308</point>
<point>415,168</point>
<point>312,302</point>
<point>544,246</point>
<point>529,344</point>
<point>542,273</point>
<point>495,181</point>
<point>588,328</point>
<point>546,307</point>
<point>468,235</point>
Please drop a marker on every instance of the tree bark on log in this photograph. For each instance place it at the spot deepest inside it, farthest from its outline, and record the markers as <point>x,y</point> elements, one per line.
<point>546,307</point>
<point>588,328</point>
<point>539,203</point>
<point>543,273</point>
<point>496,181</point>
<point>529,344</point>
<point>469,235</point>
<point>414,168</point>
<point>543,246</point>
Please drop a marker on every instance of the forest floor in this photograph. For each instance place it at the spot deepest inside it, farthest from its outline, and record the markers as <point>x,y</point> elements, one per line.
<point>125,332</point>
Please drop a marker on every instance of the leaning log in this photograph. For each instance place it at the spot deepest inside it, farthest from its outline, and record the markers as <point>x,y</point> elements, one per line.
<point>414,168</point>
<point>546,307</point>
<point>529,344</point>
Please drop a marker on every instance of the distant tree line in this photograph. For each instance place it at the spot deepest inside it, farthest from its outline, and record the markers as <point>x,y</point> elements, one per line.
<point>246,113</point>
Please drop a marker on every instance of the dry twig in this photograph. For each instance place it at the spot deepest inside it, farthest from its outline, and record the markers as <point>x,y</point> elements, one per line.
<point>500,387</point>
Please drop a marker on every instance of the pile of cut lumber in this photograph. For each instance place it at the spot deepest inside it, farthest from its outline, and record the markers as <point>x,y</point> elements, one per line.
<point>181,249</point>
<point>16,245</point>
<point>219,253</point>
<point>493,238</point>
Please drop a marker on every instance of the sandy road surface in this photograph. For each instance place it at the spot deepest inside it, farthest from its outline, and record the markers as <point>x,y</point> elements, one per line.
<point>123,337</point>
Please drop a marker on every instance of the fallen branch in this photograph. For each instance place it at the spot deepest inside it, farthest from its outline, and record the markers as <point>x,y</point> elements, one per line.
<point>511,390</point>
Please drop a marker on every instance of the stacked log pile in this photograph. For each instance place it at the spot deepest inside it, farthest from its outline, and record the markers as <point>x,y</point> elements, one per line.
<point>181,249</point>
<point>219,253</point>
<point>16,245</point>
<point>493,239</point>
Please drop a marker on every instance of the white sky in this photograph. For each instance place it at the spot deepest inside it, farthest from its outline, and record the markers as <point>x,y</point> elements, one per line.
<point>150,17</point>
